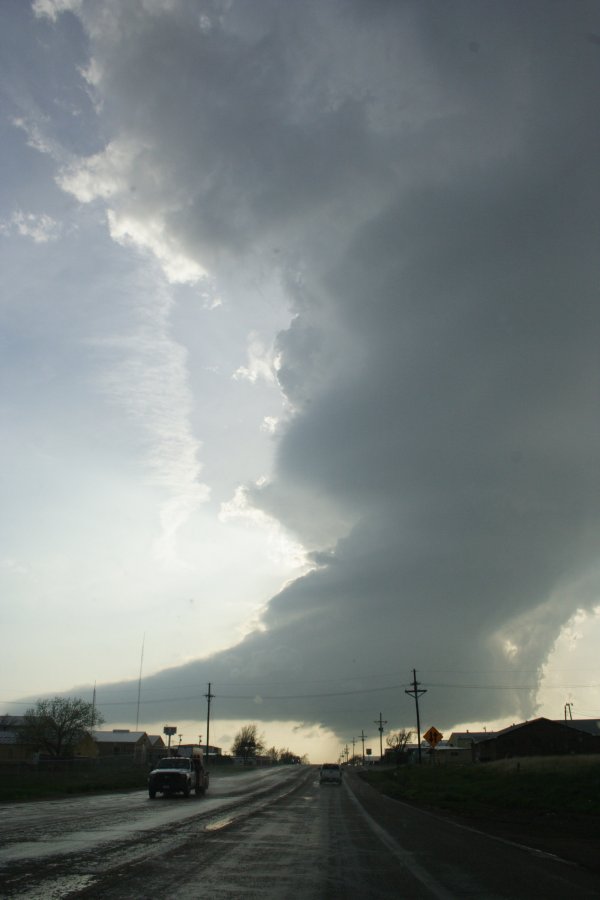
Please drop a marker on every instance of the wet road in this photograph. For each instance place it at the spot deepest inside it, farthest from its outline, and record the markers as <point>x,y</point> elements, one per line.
<point>269,834</point>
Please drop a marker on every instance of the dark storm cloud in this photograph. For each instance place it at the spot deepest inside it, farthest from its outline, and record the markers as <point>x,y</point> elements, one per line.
<point>429,173</point>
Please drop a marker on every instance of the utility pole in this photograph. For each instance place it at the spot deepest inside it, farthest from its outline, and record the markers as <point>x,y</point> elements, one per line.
<point>381,722</point>
<point>362,737</point>
<point>416,693</point>
<point>137,715</point>
<point>353,754</point>
<point>569,706</point>
<point>209,697</point>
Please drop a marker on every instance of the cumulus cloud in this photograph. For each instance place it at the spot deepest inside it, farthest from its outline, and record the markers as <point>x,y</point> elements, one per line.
<point>423,179</point>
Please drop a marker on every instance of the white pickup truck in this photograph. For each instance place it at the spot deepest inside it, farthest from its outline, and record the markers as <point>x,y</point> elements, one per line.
<point>178,775</point>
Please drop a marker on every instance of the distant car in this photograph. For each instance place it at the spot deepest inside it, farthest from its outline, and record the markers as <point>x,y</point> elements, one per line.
<point>330,773</point>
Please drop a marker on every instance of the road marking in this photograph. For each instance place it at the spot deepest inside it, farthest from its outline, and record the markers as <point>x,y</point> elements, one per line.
<point>544,854</point>
<point>404,857</point>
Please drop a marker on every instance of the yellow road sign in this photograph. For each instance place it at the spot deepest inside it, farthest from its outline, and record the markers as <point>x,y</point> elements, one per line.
<point>433,736</point>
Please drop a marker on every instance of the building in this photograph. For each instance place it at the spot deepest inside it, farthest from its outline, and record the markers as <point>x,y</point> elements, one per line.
<point>540,737</point>
<point>464,740</point>
<point>125,743</point>
<point>12,748</point>
<point>157,746</point>
<point>592,726</point>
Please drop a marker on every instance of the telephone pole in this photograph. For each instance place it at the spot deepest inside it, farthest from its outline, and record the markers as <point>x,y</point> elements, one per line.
<point>209,697</point>
<point>416,693</point>
<point>380,722</point>
<point>362,737</point>
<point>353,753</point>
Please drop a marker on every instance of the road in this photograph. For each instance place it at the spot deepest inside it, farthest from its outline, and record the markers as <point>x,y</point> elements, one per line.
<point>271,834</point>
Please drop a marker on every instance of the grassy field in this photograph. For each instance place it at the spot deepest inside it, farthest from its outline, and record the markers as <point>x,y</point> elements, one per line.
<point>545,784</point>
<point>19,783</point>
<point>36,785</point>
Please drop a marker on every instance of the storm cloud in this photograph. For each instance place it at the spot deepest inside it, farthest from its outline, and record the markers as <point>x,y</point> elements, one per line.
<point>418,183</point>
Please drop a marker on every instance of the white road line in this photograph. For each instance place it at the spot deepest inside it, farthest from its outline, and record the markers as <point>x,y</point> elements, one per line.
<point>404,857</point>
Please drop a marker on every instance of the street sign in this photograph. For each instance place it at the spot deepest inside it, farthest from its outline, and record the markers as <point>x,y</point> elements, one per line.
<point>433,736</point>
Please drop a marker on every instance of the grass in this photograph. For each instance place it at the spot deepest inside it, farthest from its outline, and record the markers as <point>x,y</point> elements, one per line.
<point>22,782</point>
<point>544,784</point>
<point>23,785</point>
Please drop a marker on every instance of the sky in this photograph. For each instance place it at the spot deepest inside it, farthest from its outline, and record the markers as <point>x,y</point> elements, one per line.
<point>299,359</point>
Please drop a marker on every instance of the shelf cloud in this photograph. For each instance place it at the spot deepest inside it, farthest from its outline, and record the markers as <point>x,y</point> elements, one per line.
<point>420,180</point>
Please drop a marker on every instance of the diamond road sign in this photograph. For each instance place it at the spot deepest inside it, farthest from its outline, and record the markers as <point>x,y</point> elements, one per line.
<point>433,736</point>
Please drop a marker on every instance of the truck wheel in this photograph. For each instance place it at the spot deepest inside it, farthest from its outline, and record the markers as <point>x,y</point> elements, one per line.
<point>200,791</point>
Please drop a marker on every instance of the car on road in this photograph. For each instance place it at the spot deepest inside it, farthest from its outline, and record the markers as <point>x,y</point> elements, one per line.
<point>330,773</point>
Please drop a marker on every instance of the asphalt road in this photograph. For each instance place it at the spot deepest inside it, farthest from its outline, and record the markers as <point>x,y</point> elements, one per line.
<point>270,834</point>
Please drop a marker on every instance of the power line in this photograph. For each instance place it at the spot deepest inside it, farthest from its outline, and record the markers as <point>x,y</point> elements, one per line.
<point>349,693</point>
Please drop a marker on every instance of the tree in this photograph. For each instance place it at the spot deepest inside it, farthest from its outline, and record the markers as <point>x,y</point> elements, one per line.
<point>398,740</point>
<point>57,726</point>
<point>287,758</point>
<point>248,742</point>
<point>273,753</point>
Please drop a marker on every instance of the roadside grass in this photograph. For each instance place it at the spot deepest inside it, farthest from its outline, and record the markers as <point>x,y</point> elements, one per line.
<point>22,785</point>
<point>544,784</point>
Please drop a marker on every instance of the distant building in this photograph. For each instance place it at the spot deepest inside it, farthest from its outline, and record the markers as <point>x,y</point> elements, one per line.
<point>464,740</point>
<point>185,749</point>
<point>157,747</point>
<point>122,742</point>
<point>12,748</point>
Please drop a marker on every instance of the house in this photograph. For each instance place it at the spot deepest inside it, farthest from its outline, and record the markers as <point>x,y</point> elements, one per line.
<point>540,737</point>
<point>12,748</point>
<point>445,754</point>
<point>125,743</point>
<point>464,740</point>
<point>157,746</point>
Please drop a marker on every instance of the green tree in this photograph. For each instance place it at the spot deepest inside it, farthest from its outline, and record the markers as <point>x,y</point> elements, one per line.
<point>247,742</point>
<point>57,726</point>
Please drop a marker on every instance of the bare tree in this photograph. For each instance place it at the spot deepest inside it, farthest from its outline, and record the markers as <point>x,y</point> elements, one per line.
<point>398,740</point>
<point>248,743</point>
<point>57,726</point>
